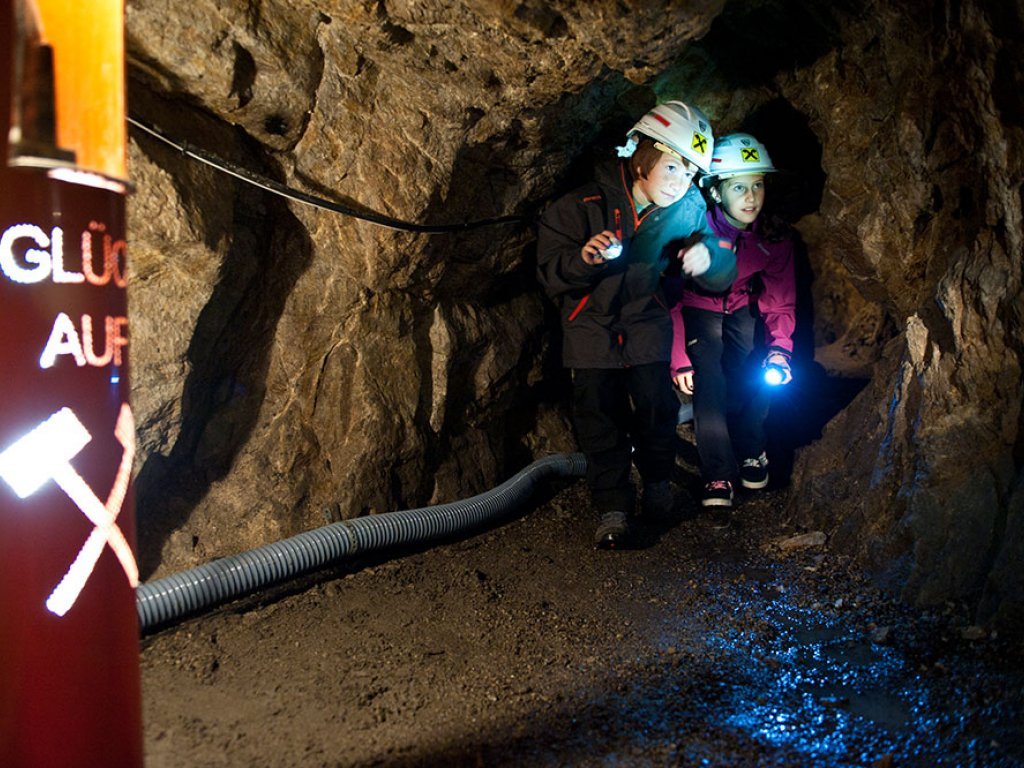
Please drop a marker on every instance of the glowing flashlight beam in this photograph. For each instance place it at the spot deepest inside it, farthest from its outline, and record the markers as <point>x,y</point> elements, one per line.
<point>773,376</point>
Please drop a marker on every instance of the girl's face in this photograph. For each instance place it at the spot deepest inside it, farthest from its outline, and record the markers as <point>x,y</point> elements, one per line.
<point>666,183</point>
<point>742,198</point>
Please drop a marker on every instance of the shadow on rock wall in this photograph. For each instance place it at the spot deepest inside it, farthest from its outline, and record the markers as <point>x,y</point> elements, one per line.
<point>229,351</point>
<point>479,284</point>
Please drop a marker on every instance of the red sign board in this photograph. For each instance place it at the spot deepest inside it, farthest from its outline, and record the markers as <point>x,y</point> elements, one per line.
<point>69,654</point>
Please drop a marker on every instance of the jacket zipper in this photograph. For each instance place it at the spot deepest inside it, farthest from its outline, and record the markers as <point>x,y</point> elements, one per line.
<point>632,203</point>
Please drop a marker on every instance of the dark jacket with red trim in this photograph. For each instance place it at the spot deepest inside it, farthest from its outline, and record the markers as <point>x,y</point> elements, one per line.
<point>615,314</point>
<point>765,276</point>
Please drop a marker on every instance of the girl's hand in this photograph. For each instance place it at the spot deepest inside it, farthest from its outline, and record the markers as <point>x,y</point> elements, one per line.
<point>592,250</point>
<point>684,381</point>
<point>780,363</point>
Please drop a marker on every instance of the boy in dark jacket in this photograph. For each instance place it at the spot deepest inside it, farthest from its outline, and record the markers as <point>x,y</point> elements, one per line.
<point>602,254</point>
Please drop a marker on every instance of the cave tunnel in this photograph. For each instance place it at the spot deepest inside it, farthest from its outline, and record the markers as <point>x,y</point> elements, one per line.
<point>296,367</point>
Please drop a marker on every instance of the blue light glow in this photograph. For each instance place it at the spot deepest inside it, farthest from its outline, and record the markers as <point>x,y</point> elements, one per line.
<point>773,375</point>
<point>613,251</point>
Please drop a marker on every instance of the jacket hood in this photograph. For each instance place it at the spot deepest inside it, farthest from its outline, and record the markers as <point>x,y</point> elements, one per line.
<point>611,173</point>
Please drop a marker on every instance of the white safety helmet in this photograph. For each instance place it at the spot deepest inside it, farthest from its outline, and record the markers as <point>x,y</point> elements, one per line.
<point>737,154</point>
<point>677,129</point>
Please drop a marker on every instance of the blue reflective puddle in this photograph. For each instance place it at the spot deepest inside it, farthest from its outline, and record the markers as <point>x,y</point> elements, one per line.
<point>799,682</point>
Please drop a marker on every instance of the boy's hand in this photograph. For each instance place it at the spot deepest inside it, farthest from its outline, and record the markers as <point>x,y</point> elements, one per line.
<point>696,260</point>
<point>592,250</point>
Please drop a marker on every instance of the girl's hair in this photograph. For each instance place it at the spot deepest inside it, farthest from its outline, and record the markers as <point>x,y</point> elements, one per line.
<point>773,227</point>
<point>644,158</point>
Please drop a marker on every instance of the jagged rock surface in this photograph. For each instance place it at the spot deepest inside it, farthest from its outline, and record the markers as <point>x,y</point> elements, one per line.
<point>921,477</point>
<point>291,363</point>
<point>289,360</point>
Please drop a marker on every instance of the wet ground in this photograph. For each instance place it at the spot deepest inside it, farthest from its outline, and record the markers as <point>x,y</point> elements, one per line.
<point>523,646</point>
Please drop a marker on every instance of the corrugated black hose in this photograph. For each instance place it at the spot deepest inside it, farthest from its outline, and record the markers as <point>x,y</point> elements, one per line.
<point>171,598</point>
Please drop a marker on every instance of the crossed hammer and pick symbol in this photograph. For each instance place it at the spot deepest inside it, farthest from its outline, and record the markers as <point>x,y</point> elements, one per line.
<point>45,454</point>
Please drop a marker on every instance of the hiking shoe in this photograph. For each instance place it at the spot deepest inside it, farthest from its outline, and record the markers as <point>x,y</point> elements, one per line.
<point>657,502</point>
<point>611,530</point>
<point>754,472</point>
<point>717,493</point>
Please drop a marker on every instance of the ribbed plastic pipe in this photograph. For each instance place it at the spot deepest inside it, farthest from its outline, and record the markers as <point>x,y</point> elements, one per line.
<point>168,599</point>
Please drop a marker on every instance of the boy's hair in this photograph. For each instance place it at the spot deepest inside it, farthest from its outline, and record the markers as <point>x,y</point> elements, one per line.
<point>644,158</point>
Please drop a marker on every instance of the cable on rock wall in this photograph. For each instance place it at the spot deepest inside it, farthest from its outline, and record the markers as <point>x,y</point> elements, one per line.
<point>269,185</point>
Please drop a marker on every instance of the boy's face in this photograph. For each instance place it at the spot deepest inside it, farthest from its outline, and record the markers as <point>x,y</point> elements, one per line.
<point>742,199</point>
<point>667,181</point>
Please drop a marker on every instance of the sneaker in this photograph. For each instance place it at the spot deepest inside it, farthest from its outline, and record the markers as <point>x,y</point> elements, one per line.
<point>611,530</point>
<point>657,502</point>
<point>754,472</point>
<point>717,493</point>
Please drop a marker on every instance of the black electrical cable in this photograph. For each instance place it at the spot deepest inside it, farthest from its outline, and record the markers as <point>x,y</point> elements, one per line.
<point>293,194</point>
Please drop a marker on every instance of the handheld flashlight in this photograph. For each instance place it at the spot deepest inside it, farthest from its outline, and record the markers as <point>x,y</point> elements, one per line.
<point>613,251</point>
<point>774,375</point>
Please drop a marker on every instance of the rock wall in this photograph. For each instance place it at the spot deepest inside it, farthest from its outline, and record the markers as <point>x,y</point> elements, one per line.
<point>292,365</point>
<point>919,113</point>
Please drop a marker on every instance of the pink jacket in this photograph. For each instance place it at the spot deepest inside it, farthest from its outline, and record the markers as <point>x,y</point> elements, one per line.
<point>775,296</point>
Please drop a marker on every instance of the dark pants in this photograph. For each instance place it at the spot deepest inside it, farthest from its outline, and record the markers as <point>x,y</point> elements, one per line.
<point>730,401</point>
<point>618,410</point>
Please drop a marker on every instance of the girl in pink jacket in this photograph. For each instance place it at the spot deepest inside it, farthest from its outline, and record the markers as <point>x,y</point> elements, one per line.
<point>730,348</point>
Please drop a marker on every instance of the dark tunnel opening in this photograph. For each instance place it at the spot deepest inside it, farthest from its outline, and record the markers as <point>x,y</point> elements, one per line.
<point>794,194</point>
<point>796,190</point>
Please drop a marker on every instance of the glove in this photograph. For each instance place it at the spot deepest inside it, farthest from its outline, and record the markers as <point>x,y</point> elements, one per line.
<point>776,369</point>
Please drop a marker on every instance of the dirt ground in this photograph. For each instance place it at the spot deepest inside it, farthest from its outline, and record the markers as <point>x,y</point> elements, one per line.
<point>523,646</point>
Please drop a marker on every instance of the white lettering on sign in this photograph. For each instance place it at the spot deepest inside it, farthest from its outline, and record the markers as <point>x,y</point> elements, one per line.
<point>60,274</point>
<point>25,264</point>
<point>66,340</point>
<point>29,255</point>
<point>32,256</point>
